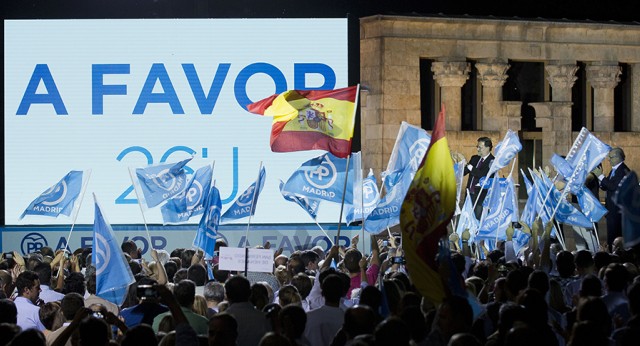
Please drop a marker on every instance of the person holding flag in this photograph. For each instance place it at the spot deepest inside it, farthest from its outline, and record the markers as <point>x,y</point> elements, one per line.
<point>609,184</point>
<point>477,169</point>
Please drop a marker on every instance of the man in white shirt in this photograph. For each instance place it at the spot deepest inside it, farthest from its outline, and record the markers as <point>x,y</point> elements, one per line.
<point>44,275</point>
<point>28,287</point>
<point>323,323</point>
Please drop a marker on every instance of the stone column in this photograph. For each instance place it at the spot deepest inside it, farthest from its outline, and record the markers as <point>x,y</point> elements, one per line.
<point>561,75</point>
<point>554,118</point>
<point>492,75</point>
<point>603,78</point>
<point>451,76</point>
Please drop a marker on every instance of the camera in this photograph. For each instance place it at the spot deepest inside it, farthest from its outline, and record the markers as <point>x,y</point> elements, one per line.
<point>147,291</point>
<point>97,314</point>
<point>398,260</point>
<point>516,225</point>
<point>385,243</point>
<point>8,255</point>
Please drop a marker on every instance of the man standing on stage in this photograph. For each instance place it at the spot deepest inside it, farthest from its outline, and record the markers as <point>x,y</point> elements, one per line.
<point>477,168</point>
<point>609,184</point>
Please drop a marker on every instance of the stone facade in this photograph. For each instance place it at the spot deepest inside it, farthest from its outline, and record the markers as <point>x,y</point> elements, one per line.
<point>391,48</point>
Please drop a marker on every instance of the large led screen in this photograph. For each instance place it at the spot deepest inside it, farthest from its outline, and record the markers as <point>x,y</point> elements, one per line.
<point>114,95</point>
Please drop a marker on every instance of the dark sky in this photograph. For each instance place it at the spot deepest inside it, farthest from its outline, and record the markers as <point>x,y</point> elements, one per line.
<point>617,10</point>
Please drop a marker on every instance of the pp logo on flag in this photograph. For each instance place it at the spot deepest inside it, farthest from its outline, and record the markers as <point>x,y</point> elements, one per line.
<point>55,194</point>
<point>417,151</point>
<point>246,197</point>
<point>214,218</point>
<point>193,196</point>
<point>368,191</point>
<point>323,176</point>
<point>165,179</point>
<point>102,253</point>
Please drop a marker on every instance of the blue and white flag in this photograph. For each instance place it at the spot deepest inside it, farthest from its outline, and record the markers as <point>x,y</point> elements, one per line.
<point>113,274</point>
<point>590,205</point>
<point>627,197</point>
<point>208,227</point>
<point>566,212</point>
<point>587,147</point>
<point>365,199</point>
<point>310,205</point>
<point>458,170</point>
<point>161,182</point>
<point>494,223</point>
<point>323,178</point>
<point>530,210</point>
<point>245,204</point>
<point>574,176</point>
<point>387,211</point>
<point>505,152</point>
<point>58,199</point>
<point>411,145</point>
<point>191,201</point>
<point>467,220</point>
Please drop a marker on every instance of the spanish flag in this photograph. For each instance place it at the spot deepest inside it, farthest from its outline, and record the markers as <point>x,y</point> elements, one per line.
<point>426,211</point>
<point>311,119</point>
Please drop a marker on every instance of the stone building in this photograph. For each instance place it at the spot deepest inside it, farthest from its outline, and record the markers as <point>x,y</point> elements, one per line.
<point>544,79</point>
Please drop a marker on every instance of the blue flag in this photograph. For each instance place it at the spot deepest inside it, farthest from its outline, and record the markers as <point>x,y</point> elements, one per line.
<point>191,201</point>
<point>411,145</point>
<point>590,205</point>
<point>467,220</point>
<point>113,274</point>
<point>627,197</point>
<point>323,178</point>
<point>566,212</point>
<point>387,211</point>
<point>495,222</point>
<point>530,210</point>
<point>245,204</point>
<point>365,199</point>
<point>310,205</point>
<point>505,152</point>
<point>587,147</point>
<point>208,227</point>
<point>59,198</point>
<point>161,182</point>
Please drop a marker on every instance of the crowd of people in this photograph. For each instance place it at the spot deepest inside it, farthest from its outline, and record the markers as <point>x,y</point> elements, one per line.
<point>547,296</point>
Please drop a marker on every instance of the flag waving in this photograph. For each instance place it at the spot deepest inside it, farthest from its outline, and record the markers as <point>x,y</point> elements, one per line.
<point>208,227</point>
<point>245,204</point>
<point>161,182</point>
<point>310,205</point>
<point>427,209</point>
<point>58,199</point>
<point>191,201</point>
<point>505,152</point>
<point>113,274</point>
<point>311,119</point>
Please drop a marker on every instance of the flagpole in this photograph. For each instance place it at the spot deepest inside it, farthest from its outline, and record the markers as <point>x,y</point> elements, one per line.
<point>344,192</point>
<point>253,198</point>
<point>75,216</point>
<point>510,176</point>
<point>362,204</point>
<point>544,210</point>
<point>323,231</point>
<point>144,219</point>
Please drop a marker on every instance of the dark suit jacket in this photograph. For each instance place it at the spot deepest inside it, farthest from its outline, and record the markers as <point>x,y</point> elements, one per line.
<point>610,185</point>
<point>477,172</point>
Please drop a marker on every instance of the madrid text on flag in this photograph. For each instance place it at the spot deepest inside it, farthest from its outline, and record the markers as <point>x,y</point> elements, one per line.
<point>161,182</point>
<point>191,201</point>
<point>311,119</point>
<point>58,199</point>
<point>245,204</point>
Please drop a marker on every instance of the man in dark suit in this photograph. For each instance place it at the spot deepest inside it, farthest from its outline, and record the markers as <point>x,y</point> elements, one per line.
<point>477,168</point>
<point>609,184</point>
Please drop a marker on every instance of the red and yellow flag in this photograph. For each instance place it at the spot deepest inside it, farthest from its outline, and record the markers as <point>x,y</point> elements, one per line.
<point>311,119</point>
<point>426,211</point>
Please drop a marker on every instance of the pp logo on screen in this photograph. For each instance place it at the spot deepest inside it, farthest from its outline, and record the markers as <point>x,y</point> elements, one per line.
<point>324,176</point>
<point>33,242</point>
<point>102,252</point>
<point>246,197</point>
<point>55,194</point>
<point>165,179</point>
<point>194,195</point>
<point>417,151</point>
